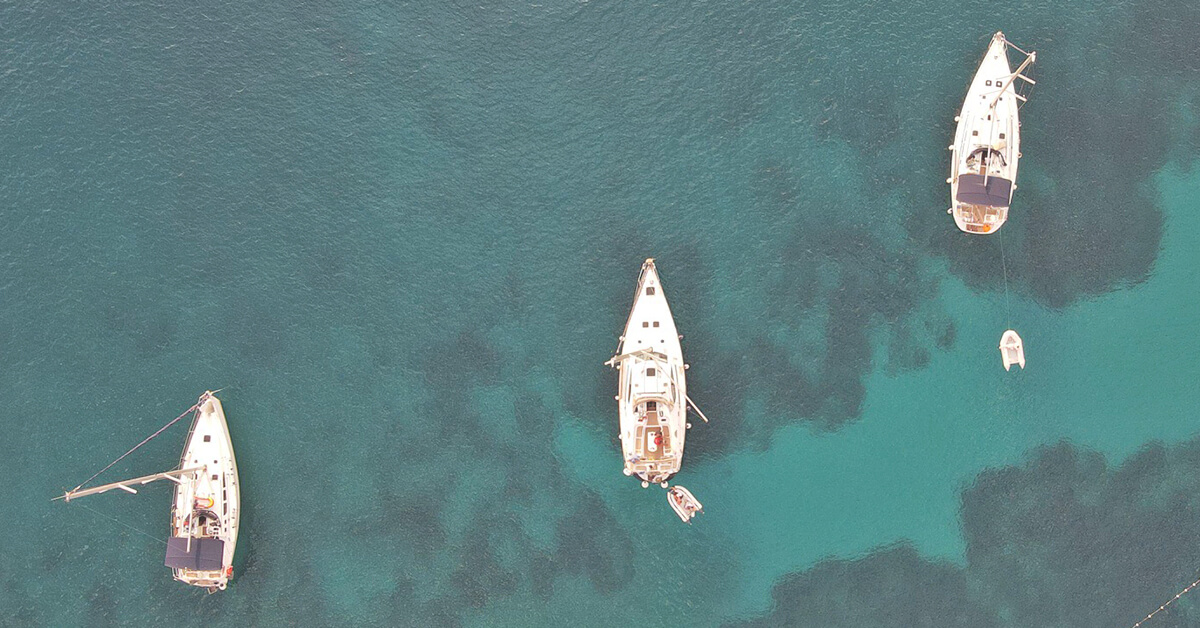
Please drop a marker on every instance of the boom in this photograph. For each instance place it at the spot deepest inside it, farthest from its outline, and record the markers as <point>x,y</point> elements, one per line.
<point>174,476</point>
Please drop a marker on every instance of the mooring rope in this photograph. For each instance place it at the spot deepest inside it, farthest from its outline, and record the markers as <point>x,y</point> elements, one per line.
<point>1004,265</point>
<point>121,523</point>
<point>148,439</point>
<point>1168,603</point>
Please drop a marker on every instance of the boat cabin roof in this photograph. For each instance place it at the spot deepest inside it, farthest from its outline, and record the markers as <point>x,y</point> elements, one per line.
<point>205,554</point>
<point>994,192</point>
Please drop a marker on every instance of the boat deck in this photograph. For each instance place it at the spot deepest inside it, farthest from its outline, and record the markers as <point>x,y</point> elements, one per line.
<point>982,218</point>
<point>653,439</point>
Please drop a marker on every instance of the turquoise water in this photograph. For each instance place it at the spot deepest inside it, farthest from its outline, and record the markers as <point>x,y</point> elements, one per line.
<point>404,239</point>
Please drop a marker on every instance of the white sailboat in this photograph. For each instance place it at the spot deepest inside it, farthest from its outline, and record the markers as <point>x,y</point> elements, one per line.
<point>207,503</point>
<point>652,390</point>
<point>987,142</point>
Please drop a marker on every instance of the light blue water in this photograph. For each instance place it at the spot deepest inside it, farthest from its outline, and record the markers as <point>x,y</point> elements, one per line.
<point>404,240</point>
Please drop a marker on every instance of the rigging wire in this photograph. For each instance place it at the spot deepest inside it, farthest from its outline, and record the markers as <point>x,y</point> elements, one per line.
<point>1015,47</point>
<point>121,523</point>
<point>1026,88</point>
<point>1168,603</point>
<point>135,447</point>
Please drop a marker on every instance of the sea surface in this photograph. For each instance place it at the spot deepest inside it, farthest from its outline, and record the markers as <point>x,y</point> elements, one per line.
<point>402,238</point>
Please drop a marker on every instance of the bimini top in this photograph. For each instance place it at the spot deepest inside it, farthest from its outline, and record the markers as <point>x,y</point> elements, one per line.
<point>206,554</point>
<point>997,192</point>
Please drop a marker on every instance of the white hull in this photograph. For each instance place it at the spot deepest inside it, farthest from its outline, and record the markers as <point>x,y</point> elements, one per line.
<point>684,503</point>
<point>207,504</point>
<point>652,390</point>
<point>987,145</point>
<point>1012,350</point>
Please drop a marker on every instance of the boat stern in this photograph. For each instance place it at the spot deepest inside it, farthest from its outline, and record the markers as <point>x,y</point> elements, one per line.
<point>652,442</point>
<point>217,580</point>
<point>651,471</point>
<point>200,561</point>
<point>977,219</point>
<point>980,201</point>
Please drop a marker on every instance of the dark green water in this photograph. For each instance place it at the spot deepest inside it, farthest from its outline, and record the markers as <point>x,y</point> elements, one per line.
<point>404,238</point>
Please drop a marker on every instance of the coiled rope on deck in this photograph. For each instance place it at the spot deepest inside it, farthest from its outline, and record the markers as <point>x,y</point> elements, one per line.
<point>135,447</point>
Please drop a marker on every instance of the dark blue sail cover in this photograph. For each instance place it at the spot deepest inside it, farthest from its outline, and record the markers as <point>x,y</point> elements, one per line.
<point>996,193</point>
<point>205,554</point>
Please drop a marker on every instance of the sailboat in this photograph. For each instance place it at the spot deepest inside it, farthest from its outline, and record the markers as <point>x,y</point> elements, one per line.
<point>987,142</point>
<point>652,390</point>
<point>207,503</point>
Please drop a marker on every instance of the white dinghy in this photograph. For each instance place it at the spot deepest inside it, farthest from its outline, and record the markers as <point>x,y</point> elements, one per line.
<point>652,391</point>
<point>987,142</point>
<point>1012,350</point>
<point>684,503</point>
<point>207,503</point>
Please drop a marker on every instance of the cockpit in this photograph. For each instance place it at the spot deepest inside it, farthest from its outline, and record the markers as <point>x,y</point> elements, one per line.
<point>986,160</point>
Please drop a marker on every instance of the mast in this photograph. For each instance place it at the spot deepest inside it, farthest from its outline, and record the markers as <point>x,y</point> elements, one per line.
<point>991,106</point>
<point>648,353</point>
<point>991,142</point>
<point>1014,76</point>
<point>189,498</point>
<point>696,408</point>
<point>175,476</point>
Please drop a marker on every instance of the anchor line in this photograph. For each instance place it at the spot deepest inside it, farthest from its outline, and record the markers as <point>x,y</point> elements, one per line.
<point>135,447</point>
<point>1168,603</point>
